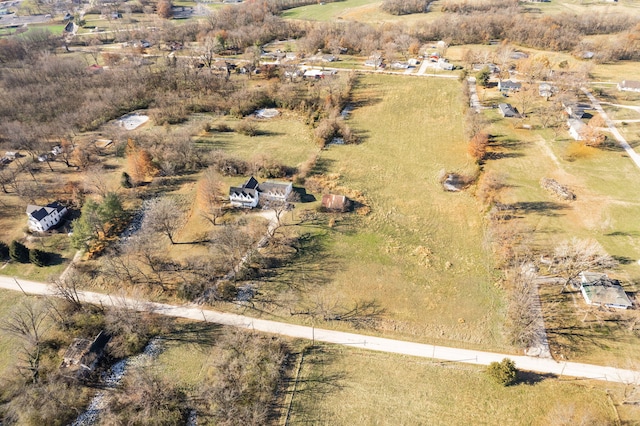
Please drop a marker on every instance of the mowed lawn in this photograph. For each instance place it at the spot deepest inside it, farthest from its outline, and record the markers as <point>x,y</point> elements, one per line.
<point>419,253</point>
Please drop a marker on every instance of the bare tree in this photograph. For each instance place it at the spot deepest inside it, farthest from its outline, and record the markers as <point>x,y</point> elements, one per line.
<point>164,216</point>
<point>571,257</point>
<point>232,243</point>
<point>28,323</point>
<point>210,197</point>
<point>67,286</point>
<point>522,314</point>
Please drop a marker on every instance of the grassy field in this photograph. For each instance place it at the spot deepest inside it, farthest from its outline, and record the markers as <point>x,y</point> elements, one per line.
<point>419,254</point>
<point>336,386</point>
<point>8,344</point>
<point>326,11</point>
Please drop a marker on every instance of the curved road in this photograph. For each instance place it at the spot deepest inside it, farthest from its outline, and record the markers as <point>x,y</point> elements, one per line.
<point>194,312</point>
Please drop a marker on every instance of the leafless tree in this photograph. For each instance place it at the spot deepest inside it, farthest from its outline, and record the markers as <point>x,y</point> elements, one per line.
<point>522,314</point>
<point>232,243</point>
<point>210,197</point>
<point>571,257</point>
<point>164,216</point>
<point>28,323</point>
<point>68,286</point>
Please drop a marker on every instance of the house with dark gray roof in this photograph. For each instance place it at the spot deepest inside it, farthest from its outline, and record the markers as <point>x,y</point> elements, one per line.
<point>245,196</point>
<point>506,110</point>
<point>44,218</point>
<point>509,86</point>
<point>249,194</point>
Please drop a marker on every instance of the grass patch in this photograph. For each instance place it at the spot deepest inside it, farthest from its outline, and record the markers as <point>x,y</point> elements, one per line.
<point>336,386</point>
<point>9,346</point>
<point>325,11</point>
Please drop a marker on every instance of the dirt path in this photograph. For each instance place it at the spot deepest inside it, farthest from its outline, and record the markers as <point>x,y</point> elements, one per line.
<point>196,313</point>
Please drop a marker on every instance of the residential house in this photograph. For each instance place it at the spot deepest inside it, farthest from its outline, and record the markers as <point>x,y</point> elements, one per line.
<point>275,190</point>
<point>44,218</point>
<point>491,67</point>
<point>575,110</point>
<point>629,86</point>
<point>443,64</point>
<point>251,192</point>
<point>11,155</point>
<point>338,203</point>
<point>374,61</point>
<point>600,290</point>
<point>507,111</point>
<point>546,90</point>
<point>245,196</point>
<point>507,86</point>
<point>318,74</point>
<point>576,128</point>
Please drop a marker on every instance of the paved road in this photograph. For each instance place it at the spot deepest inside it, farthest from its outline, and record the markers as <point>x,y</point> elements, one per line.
<point>194,312</point>
<point>612,128</point>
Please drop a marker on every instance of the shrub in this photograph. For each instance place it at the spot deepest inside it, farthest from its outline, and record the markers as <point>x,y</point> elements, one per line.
<point>4,250</point>
<point>125,180</point>
<point>38,257</point>
<point>247,127</point>
<point>503,372</point>
<point>18,252</point>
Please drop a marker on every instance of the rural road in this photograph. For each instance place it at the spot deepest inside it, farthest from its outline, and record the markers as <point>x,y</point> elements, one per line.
<point>194,312</point>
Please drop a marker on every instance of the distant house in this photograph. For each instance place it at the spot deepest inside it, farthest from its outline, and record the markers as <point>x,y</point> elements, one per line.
<point>318,74</point>
<point>546,90</point>
<point>83,355</point>
<point>600,290</point>
<point>576,128</point>
<point>575,110</point>
<point>245,196</point>
<point>329,58</point>
<point>491,67</point>
<point>338,203</point>
<point>44,218</point>
<point>443,64</point>
<point>251,192</point>
<point>373,61</point>
<point>507,111</point>
<point>507,86</point>
<point>629,86</point>
<point>11,155</point>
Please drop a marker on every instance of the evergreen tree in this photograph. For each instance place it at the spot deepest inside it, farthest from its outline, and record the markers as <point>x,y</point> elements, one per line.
<point>18,252</point>
<point>38,257</point>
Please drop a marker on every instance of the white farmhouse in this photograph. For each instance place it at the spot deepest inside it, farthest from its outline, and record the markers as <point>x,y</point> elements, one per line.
<point>44,218</point>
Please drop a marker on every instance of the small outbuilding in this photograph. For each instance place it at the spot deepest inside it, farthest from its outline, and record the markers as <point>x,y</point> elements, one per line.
<point>338,203</point>
<point>82,356</point>
<point>600,290</point>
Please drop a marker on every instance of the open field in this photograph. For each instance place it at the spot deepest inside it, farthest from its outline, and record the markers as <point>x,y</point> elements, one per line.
<point>336,386</point>
<point>419,253</point>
